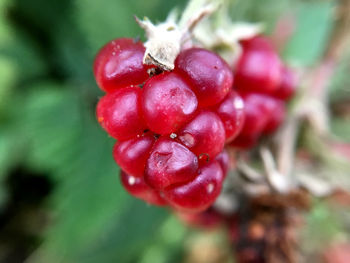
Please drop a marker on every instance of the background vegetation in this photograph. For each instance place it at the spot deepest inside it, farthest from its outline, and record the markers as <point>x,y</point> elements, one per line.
<point>60,197</point>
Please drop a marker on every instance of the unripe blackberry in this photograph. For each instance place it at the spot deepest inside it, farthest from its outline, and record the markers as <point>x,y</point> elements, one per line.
<point>259,68</point>
<point>137,187</point>
<point>119,64</point>
<point>209,75</point>
<point>171,130</point>
<point>119,113</point>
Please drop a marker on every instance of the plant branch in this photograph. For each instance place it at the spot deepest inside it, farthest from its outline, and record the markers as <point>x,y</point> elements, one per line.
<point>312,103</point>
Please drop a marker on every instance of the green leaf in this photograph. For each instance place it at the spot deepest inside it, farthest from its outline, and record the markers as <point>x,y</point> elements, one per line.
<point>314,23</point>
<point>47,117</point>
<point>127,236</point>
<point>322,227</point>
<point>341,128</point>
<point>266,12</point>
<point>101,21</point>
<point>8,74</point>
<point>64,138</point>
<point>18,54</point>
<point>340,86</point>
<point>168,244</point>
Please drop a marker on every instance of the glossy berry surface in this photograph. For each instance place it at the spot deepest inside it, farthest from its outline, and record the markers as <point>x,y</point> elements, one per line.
<point>265,85</point>
<point>167,103</point>
<point>258,68</point>
<point>204,135</point>
<point>257,110</point>
<point>137,187</point>
<point>132,154</point>
<point>263,115</point>
<point>208,74</point>
<point>231,113</point>
<point>224,160</point>
<point>170,163</point>
<point>119,64</point>
<point>172,126</point>
<point>119,113</point>
<point>277,116</point>
<point>198,194</point>
<point>288,85</point>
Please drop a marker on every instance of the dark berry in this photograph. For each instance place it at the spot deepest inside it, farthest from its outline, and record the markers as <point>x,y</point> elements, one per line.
<point>198,194</point>
<point>231,113</point>
<point>119,113</point>
<point>132,155</point>
<point>258,69</point>
<point>209,75</point>
<point>170,163</point>
<point>204,135</point>
<point>167,103</point>
<point>119,64</point>
<point>137,187</point>
<point>244,141</point>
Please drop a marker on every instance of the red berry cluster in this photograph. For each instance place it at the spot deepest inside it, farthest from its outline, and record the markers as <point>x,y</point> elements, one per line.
<point>265,85</point>
<point>170,127</point>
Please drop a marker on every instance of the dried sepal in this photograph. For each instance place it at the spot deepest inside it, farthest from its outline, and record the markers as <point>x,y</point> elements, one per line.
<point>221,32</point>
<point>163,44</point>
<point>165,40</point>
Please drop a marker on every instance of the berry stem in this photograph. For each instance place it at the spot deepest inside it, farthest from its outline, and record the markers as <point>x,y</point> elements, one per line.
<point>165,40</point>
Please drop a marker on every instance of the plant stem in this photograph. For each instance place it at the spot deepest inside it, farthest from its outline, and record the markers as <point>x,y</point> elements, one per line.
<point>317,83</point>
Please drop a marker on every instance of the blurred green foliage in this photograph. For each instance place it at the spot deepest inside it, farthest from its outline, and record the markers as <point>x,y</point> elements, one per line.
<point>47,121</point>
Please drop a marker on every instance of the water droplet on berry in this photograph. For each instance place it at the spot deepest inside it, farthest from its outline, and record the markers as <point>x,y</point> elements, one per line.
<point>210,188</point>
<point>131,180</point>
<point>239,103</point>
